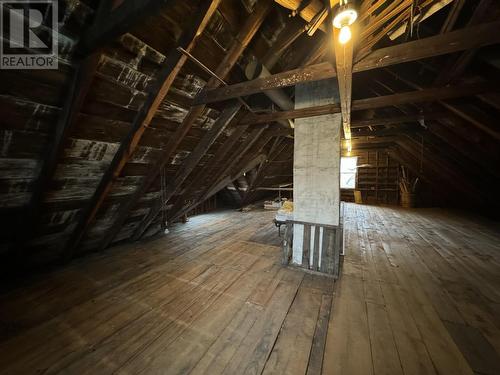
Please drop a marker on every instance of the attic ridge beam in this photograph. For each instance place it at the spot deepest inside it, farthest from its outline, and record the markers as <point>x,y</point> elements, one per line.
<point>425,95</point>
<point>80,84</point>
<point>166,76</point>
<point>240,43</point>
<point>111,23</point>
<point>190,163</point>
<point>459,40</point>
<point>343,60</point>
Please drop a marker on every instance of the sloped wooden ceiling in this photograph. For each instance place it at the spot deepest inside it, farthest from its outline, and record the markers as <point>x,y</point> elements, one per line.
<point>86,148</point>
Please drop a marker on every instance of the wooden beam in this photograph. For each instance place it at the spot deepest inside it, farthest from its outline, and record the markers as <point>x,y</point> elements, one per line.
<point>395,120</point>
<point>239,44</point>
<point>472,116</point>
<point>452,17</point>
<point>405,159</point>
<point>239,189</point>
<point>441,168</point>
<point>475,117</point>
<point>190,163</point>
<point>259,176</point>
<point>425,95</point>
<point>259,159</point>
<point>111,22</point>
<point>481,144</point>
<point>449,146</point>
<point>293,29</point>
<point>227,172</point>
<point>80,84</point>
<point>402,12</point>
<point>289,78</point>
<point>386,132</point>
<point>469,141</point>
<point>392,9</point>
<point>459,40</point>
<point>343,60</point>
<point>368,9</point>
<point>195,183</point>
<point>492,99</point>
<point>174,62</point>
<point>456,67</point>
<point>463,146</point>
<point>223,173</point>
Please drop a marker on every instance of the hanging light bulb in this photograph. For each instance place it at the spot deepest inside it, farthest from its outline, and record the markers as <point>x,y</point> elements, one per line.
<point>345,34</point>
<point>345,17</point>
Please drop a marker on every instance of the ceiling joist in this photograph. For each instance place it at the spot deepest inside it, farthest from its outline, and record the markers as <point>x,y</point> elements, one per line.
<point>425,95</point>
<point>463,39</point>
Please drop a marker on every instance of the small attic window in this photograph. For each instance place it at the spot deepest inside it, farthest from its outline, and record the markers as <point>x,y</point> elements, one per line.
<point>348,172</point>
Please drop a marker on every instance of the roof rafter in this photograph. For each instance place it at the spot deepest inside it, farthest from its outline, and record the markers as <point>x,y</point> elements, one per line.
<point>239,44</point>
<point>459,40</point>
<point>190,163</point>
<point>166,76</point>
<point>221,177</point>
<point>112,21</point>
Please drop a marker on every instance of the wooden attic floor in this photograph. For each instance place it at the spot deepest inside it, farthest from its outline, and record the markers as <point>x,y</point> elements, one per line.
<point>419,294</point>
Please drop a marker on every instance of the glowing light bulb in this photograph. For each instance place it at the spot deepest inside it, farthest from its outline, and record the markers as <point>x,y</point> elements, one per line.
<point>345,34</point>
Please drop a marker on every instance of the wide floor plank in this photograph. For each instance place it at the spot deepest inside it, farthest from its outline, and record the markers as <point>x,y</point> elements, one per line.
<point>419,293</point>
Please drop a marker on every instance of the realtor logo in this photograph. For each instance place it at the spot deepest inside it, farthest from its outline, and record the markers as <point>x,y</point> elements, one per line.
<point>28,34</point>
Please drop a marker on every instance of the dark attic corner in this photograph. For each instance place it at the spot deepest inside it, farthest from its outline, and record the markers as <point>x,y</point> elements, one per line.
<point>250,187</point>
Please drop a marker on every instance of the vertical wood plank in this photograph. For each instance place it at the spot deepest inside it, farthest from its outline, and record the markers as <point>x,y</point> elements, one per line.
<point>336,252</point>
<point>315,264</point>
<point>306,246</point>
